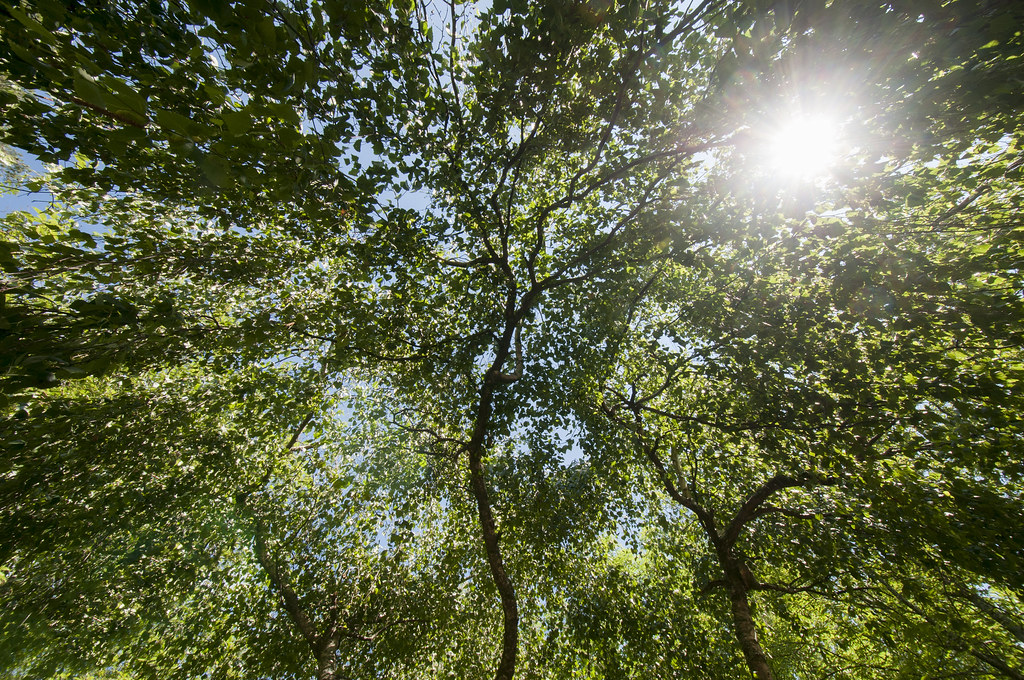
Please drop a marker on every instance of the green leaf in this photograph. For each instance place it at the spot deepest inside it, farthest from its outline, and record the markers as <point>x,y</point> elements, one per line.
<point>89,91</point>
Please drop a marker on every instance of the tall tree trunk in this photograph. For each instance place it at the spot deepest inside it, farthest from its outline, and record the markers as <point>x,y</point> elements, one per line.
<point>746,633</point>
<point>743,621</point>
<point>475,449</point>
<point>509,606</point>
<point>737,577</point>
<point>327,661</point>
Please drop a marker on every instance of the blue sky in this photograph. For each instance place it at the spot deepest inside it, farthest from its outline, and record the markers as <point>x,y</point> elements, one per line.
<point>22,200</point>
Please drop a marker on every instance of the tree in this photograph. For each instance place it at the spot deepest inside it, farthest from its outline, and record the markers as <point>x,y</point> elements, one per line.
<point>426,340</point>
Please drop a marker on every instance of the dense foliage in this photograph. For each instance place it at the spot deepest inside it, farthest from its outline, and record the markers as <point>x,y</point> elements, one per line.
<point>399,339</point>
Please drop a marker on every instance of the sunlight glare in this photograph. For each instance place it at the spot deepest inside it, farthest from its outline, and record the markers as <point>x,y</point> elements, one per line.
<point>804,146</point>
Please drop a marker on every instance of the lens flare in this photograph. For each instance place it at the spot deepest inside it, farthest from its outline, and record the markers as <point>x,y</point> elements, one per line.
<point>804,147</point>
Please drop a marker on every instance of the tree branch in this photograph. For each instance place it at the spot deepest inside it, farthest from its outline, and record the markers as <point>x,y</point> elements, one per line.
<point>506,378</point>
<point>120,118</point>
<point>772,486</point>
<point>291,602</point>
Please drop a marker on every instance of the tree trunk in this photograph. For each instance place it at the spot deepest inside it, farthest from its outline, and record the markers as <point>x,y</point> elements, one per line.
<point>327,662</point>
<point>478,484</point>
<point>742,619</point>
<point>509,606</point>
<point>746,634</point>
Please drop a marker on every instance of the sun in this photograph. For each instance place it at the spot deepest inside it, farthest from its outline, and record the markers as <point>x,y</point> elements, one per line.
<point>803,146</point>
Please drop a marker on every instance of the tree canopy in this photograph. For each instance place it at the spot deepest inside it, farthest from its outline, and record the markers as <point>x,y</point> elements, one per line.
<point>576,338</point>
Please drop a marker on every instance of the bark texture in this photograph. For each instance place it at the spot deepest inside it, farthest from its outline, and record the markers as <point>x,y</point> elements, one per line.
<point>743,620</point>
<point>478,483</point>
